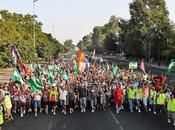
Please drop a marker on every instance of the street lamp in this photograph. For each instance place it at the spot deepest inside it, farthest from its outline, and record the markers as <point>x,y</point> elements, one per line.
<point>34,37</point>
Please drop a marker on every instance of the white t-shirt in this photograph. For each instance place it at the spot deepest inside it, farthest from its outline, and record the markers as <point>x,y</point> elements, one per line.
<point>63,94</point>
<point>37,96</point>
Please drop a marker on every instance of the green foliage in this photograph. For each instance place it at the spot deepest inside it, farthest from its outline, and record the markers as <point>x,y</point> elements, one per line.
<point>18,29</point>
<point>68,45</point>
<point>148,27</point>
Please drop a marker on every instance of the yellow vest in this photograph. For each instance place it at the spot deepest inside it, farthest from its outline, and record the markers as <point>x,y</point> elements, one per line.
<point>161,99</point>
<point>7,104</point>
<point>1,116</point>
<point>131,94</point>
<point>171,105</point>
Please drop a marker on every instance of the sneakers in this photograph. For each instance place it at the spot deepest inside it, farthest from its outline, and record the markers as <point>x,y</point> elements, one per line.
<point>14,111</point>
<point>24,111</point>
<point>21,115</point>
<point>169,121</point>
<point>82,110</point>
<point>174,124</point>
<point>92,110</point>
<point>149,109</point>
<point>54,113</point>
<point>117,111</point>
<point>30,110</point>
<point>36,114</point>
<point>154,113</point>
<point>139,111</point>
<point>64,113</point>
<point>136,108</point>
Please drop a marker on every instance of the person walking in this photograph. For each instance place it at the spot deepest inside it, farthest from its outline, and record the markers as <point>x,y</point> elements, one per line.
<point>37,101</point>
<point>118,98</point>
<point>138,99</point>
<point>53,99</point>
<point>160,101</point>
<point>171,109</point>
<point>82,97</point>
<point>131,97</point>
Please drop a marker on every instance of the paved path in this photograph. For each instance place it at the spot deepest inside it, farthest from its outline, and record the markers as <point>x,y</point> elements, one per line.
<point>91,121</point>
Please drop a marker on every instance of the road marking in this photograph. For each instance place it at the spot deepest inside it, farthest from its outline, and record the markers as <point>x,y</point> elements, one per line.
<point>113,116</point>
<point>115,119</point>
<point>121,128</point>
<point>50,125</point>
<point>64,126</point>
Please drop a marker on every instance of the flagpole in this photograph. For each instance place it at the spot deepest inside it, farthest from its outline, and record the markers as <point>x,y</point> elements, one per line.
<point>34,23</point>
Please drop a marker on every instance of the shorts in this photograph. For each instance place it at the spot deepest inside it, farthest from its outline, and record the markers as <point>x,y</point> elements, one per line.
<point>53,104</point>
<point>71,104</point>
<point>118,102</point>
<point>22,104</point>
<point>37,104</point>
<point>45,103</point>
<point>103,100</point>
<point>62,102</point>
<point>145,102</point>
<point>138,101</point>
<point>152,102</point>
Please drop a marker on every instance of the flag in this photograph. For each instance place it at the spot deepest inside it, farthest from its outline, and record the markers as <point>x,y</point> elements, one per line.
<point>171,67</point>
<point>163,78</point>
<point>142,67</point>
<point>93,53</point>
<point>15,54</point>
<point>107,66</point>
<point>65,77</point>
<point>75,66</point>
<point>40,69</point>
<point>116,70</point>
<point>17,77</point>
<point>82,66</point>
<point>34,83</point>
<point>32,67</point>
<point>102,66</point>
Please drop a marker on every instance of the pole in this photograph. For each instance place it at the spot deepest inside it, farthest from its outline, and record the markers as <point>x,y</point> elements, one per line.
<point>149,53</point>
<point>34,37</point>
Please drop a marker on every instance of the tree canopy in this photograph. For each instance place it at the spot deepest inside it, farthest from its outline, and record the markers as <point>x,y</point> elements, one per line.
<point>18,29</point>
<point>149,28</point>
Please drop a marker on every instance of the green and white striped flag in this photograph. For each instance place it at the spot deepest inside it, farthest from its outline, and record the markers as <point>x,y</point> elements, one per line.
<point>171,67</point>
<point>17,77</point>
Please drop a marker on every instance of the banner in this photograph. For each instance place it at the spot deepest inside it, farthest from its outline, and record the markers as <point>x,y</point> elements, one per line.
<point>133,65</point>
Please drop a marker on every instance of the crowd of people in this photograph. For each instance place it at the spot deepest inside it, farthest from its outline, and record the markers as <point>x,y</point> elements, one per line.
<point>93,89</point>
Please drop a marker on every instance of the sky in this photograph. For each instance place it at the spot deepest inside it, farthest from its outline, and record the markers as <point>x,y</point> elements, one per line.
<point>72,19</point>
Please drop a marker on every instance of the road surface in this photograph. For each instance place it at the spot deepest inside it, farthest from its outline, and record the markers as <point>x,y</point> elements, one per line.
<point>98,120</point>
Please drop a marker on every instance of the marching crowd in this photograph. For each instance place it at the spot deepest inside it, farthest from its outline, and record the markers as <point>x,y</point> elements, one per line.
<point>91,89</point>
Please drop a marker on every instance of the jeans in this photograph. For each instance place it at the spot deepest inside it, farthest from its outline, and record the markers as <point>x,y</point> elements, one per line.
<point>93,102</point>
<point>83,103</point>
<point>131,103</point>
<point>171,115</point>
<point>37,104</point>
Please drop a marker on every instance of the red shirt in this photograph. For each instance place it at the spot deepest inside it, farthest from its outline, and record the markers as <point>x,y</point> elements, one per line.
<point>118,94</point>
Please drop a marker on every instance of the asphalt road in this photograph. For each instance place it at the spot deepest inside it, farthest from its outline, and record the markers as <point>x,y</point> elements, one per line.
<point>98,120</point>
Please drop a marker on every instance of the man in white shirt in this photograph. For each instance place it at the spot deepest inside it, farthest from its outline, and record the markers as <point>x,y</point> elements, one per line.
<point>37,101</point>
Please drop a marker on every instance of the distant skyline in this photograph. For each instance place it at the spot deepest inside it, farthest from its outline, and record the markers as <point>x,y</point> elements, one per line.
<point>72,19</point>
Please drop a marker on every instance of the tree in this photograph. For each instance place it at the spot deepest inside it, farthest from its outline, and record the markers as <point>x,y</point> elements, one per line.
<point>68,45</point>
<point>18,29</point>
<point>98,39</point>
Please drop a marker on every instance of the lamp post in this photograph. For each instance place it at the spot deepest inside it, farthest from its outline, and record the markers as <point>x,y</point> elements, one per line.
<point>34,23</point>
